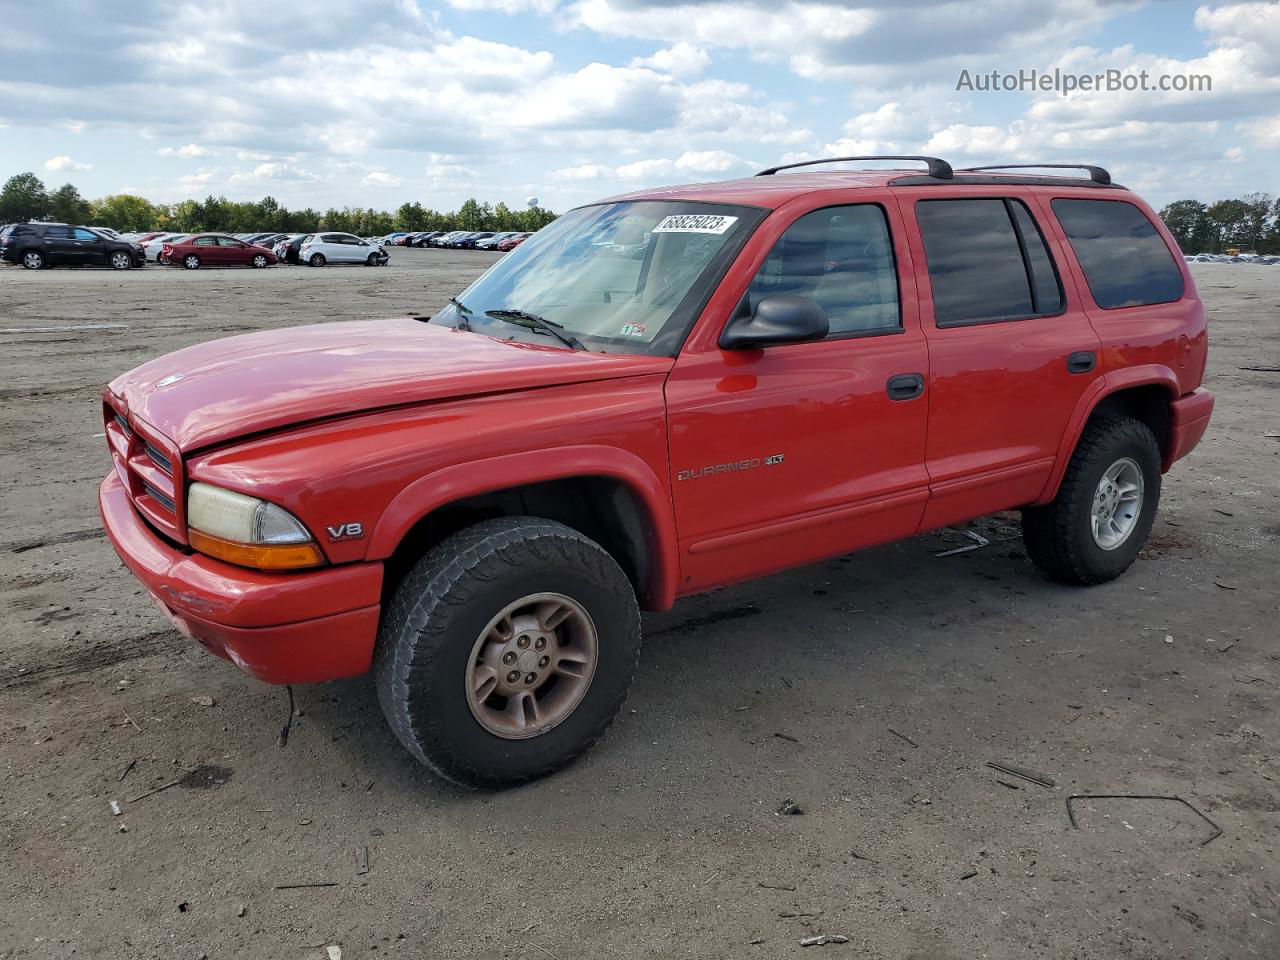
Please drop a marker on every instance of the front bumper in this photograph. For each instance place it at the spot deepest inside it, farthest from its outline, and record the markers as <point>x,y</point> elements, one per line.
<point>1188,420</point>
<point>281,628</point>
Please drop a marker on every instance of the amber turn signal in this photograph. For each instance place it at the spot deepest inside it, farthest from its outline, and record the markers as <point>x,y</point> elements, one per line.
<point>292,556</point>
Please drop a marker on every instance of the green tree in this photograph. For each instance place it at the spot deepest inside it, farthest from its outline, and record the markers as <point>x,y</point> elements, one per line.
<point>470,216</point>
<point>1188,221</point>
<point>23,197</point>
<point>1257,218</point>
<point>1228,218</point>
<point>124,212</point>
<point>67,206</point>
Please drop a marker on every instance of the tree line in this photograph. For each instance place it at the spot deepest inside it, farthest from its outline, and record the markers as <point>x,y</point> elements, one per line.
<point>1251,222</point>
<point>25,197</point>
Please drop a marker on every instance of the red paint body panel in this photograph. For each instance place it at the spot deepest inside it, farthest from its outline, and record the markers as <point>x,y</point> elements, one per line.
<point>319,624</point>
<point>740,462</point>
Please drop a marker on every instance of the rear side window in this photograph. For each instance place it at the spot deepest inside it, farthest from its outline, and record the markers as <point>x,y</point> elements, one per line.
<point>987,262</point>
<point>206,241</point>
<point>841,257</point>
<point>57,233</point>
<point>1125,261</point>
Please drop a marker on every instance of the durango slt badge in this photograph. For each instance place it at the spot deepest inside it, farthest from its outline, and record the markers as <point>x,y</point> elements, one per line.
<point>736,467</point>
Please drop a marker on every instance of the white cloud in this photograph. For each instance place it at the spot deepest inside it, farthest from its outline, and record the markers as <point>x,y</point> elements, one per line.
<point>1233,155</point>
<point>707,161</point>
<point>66,163</point>
<point>380,178</point>
<point>190,151</point>
<point>681,60</point>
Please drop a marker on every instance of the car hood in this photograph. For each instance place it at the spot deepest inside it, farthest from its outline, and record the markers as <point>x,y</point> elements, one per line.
<point>217,391</point>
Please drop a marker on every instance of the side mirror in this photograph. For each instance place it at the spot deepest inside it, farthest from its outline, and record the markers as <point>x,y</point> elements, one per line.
<point>779,319</point>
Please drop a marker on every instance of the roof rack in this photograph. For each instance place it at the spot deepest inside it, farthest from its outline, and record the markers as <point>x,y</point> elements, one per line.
<point>937,168</point>
<point>1096,174</point>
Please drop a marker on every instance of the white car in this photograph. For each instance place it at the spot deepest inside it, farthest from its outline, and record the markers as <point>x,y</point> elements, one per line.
<point>153,246</point>
<point>324,248</point>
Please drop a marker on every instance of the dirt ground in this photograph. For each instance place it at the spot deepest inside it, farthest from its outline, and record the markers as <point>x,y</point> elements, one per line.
<point>871,690</point>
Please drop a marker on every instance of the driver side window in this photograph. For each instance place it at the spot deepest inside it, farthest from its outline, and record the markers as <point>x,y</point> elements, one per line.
<point>842,257</point>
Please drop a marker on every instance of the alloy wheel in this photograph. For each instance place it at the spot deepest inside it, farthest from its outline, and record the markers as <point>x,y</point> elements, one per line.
<point>1117,504</point>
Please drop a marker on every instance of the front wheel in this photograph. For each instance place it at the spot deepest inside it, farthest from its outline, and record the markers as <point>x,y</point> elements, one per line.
<point>1100,520</point>
<point>372,261</point>
<point>507,651</point>
<point>121,260</point>
<point>191,262</point>
<point>259,261</point>
<point>317,260</point>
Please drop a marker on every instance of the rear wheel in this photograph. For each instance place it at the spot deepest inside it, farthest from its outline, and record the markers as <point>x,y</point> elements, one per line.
<point>507,651</point>
<point>191,261</point>
<point>121,260</point>
<point>317,260</point>
<point>259,261</point>
<point>1105,506</point>
<point>33,260</point>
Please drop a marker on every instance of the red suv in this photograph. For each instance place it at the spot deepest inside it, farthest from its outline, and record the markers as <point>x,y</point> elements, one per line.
<point>215,250</point>
<point>653,396</point>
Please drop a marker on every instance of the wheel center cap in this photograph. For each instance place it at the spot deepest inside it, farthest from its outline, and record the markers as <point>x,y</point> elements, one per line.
<point>527,661</point>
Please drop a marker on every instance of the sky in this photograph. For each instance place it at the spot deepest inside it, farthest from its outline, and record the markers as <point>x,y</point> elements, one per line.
<point>566,101</point>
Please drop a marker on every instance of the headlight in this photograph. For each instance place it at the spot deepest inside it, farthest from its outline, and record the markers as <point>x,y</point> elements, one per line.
<point>247,531</point>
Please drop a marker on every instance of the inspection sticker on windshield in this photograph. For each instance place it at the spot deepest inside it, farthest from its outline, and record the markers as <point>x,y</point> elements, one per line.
<point>694,223</point>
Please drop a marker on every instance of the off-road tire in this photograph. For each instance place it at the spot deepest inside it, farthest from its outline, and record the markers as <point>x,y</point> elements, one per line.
<point>1058,536</point>
<point>440,609</point>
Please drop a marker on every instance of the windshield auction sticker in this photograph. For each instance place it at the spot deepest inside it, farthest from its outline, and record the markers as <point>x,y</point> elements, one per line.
<point>694,223</point>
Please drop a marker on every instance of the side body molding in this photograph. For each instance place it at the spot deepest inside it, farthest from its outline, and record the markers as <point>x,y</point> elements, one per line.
<point>450,484</point>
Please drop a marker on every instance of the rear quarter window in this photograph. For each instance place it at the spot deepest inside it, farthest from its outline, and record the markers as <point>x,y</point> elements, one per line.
<point>1125,260</point>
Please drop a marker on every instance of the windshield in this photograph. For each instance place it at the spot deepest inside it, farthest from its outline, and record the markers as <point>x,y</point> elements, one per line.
<point>625,277</point>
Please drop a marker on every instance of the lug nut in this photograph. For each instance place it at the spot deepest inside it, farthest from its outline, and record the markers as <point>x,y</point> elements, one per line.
<point>508,658</point>
<point>522,641</point>
<point>543,661</point>
<point>530,677</point>
<point>539,643</point>
<point>513,676</point>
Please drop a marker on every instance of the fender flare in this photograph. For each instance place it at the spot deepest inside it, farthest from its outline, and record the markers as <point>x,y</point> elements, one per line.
<point>459,481</point>
<point>1146,375</point>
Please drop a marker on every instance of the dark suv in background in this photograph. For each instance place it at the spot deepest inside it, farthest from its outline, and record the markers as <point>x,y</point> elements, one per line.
<point>39,245</point>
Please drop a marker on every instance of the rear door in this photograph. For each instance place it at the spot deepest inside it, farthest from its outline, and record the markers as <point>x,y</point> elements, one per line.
<point>59,246</point>
<point>791,453</point>
<point>1011,348</point>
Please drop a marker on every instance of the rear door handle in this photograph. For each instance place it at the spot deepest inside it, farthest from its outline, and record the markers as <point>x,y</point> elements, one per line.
<point>905,386</point>
<point>1082,361</point>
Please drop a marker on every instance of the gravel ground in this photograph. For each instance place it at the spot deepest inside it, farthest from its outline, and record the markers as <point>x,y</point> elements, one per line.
<point>871,691</point>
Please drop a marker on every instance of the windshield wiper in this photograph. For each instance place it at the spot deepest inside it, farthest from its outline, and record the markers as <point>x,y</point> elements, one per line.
<point>522,318</point>
<point>463,323</point>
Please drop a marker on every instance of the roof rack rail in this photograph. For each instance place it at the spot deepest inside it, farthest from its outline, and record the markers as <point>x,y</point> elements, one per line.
<point>937,168</point>
<point>1096,174</point>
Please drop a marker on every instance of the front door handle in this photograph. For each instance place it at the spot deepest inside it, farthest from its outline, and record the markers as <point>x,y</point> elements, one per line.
<point>1082,361</point>
<point>905,386</point>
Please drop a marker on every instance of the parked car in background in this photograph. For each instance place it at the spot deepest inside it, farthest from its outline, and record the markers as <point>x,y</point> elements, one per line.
<point>469,241</point>
<point>422,239</point>
<point>40,245</point>
<point>324,248</point>
<point>215,250</point>
<point>446,239</point>
<point>155,244</point>
<point>287,249</point>
<point>107,232</point>
<point>512,242</point>
<point>491,242</point>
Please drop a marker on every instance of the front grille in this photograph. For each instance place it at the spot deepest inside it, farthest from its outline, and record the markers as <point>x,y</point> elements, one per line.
<point>149,466</point>
<point>159,459</point>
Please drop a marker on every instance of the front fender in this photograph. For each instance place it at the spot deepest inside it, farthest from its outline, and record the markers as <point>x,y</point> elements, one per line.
<point>1145,375</point>
<point>450,484</point>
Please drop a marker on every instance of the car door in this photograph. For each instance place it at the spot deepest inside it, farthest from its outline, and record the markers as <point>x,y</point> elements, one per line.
<point>208,251</point>
<point>791,453</point>
<point>89,246</point>
<point>233,252</point>
<point>1011,350</point>
<point>59,245</point>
